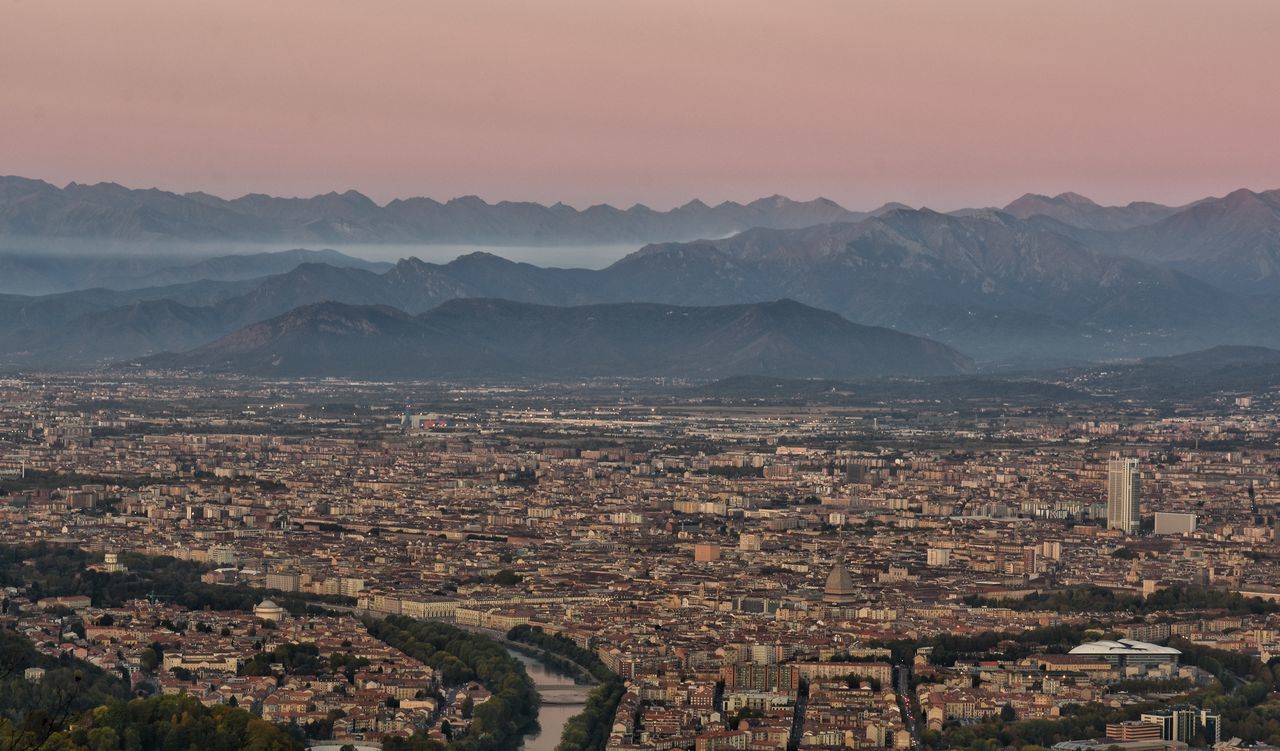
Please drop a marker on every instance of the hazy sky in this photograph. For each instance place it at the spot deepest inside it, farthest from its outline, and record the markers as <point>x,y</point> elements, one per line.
<point>946,103</point>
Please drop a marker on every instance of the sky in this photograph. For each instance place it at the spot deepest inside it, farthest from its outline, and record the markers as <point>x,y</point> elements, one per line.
<point>944,103</point>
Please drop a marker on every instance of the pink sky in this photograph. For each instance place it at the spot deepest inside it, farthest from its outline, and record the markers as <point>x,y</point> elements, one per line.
<point>945,103</point>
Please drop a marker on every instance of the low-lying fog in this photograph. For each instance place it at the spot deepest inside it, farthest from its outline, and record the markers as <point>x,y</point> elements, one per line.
<point>37,267</point>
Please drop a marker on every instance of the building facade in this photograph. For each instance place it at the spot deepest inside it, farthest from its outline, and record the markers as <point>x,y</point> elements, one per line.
<point>1124,484</point>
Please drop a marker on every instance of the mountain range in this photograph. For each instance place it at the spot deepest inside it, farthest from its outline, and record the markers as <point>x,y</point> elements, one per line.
<point>1079,211</point>
<point>1232,241</point>
<point>481,338</point>
<point>45,271</point>
<point>1043,281</point>
<point>107,211</point>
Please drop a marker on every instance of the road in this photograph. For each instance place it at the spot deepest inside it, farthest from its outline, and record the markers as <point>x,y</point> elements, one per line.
<point>902,686</point>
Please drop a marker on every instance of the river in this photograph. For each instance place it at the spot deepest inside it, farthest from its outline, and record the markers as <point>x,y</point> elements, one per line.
<point>551,717</point>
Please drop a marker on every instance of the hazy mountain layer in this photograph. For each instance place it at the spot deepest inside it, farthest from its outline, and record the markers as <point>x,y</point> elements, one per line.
<point>1033,291</point>
<point>1225,369</point>
<point>483,338</point>
<point>988,284</point>
<point>1232,242</point>
<point>48,269</point>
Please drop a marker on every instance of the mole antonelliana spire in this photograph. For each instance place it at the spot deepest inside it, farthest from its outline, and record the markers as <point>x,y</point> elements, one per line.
<point>839,588</point>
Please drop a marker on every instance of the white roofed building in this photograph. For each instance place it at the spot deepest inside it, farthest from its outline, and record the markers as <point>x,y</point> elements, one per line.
<point>1125,652</point>
<point>269,611</point>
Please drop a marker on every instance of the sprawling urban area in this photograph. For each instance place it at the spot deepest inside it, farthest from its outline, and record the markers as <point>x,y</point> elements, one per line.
<point>653,566</point>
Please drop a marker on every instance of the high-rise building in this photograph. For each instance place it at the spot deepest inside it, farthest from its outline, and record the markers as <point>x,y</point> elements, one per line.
<point>1123,489</point>
<point>1176,724</point>
<point>1183,722</point>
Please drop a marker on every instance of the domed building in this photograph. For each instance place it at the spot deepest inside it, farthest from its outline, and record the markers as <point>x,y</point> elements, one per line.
<point>269,611</point>
<point>839,589</point>
<point>1128,652</point>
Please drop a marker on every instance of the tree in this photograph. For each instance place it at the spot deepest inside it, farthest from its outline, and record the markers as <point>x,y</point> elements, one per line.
<point>458,658</point>
<point>151,657</point>
<point>507,578</point>
<point>170,722</point>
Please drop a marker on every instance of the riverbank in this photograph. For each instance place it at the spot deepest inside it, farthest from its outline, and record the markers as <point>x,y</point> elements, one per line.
<point>554,713</point>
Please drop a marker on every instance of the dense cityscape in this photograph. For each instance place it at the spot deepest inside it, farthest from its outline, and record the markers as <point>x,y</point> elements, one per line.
<point>567,375</point>
<point>705,573</point>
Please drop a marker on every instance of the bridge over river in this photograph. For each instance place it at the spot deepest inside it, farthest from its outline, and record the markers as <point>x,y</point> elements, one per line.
<point>561,699</point>
<point>569,695</point>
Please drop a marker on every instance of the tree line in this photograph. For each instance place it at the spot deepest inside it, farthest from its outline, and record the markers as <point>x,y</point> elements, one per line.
<point>589,729</point>
<point>458,656</point>
<point>76,705</point>
<point>1094,599</point>
<point>946,649</point>
<point>51,571</point>
<point>169,722</point>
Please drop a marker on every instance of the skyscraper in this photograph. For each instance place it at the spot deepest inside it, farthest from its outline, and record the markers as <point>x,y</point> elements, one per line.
<point>1123,487</point>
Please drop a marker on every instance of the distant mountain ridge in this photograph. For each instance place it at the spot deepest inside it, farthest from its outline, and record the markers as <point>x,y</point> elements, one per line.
<point>1221,369</point>
<point>1233,242</point>
<point>40,271</point>
<point>488,338</point>
<point>1056,279</point>
<point>1077,211</point>
<point>993,286</point>
<point>987,284</point>
<point>34,208</point>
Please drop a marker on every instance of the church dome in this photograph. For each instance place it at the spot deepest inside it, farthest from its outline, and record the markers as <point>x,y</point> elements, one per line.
<point>268,611</point>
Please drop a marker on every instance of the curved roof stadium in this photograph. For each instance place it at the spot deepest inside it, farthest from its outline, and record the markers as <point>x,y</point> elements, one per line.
<point>1127,652</point>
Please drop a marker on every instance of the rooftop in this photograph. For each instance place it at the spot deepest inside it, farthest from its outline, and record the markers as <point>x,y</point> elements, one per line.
<point>1123,647</point>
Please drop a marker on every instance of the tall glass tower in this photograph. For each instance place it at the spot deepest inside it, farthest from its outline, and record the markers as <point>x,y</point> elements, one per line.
<point>1124,485</point>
